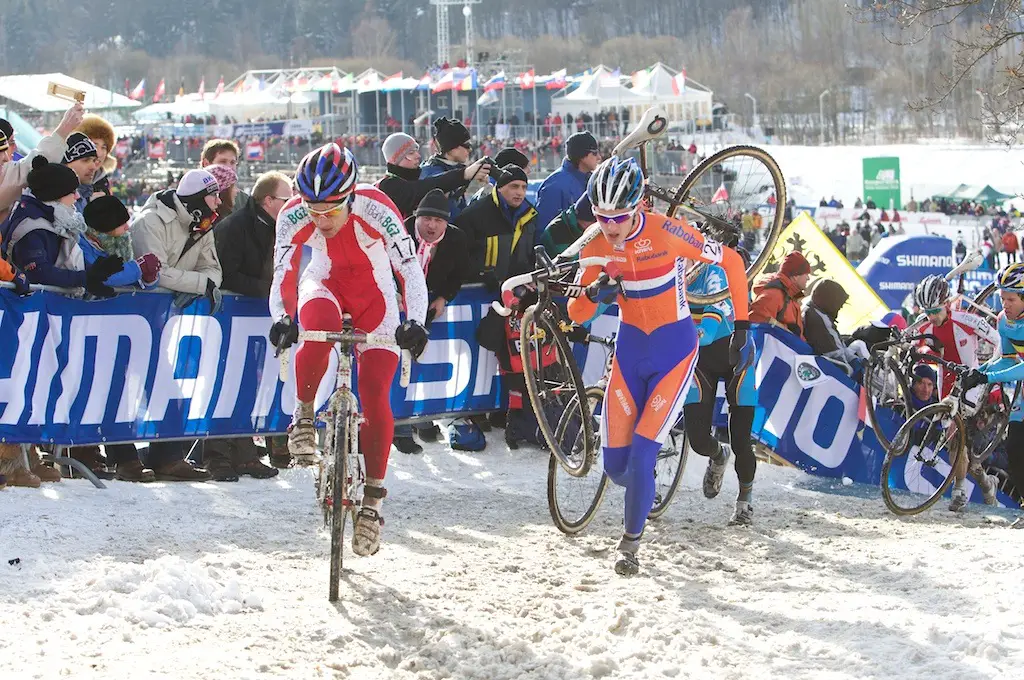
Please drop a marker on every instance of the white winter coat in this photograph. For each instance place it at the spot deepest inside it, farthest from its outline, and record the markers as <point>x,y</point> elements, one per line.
<point>164,232</point>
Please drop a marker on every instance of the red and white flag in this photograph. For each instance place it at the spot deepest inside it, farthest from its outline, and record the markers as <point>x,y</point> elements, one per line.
<point>220,88</point>
<point>202,88</point>
<point>721,194</point>
<point>679,82</point>
<point>140,91</point>
<point>161,90</point>
<point>526,80</point>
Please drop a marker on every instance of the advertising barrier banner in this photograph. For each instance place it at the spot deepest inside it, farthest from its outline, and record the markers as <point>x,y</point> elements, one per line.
<point>136,368</point>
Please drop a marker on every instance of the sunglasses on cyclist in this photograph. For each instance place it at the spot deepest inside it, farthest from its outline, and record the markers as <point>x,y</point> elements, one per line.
<point>933,311</point>
<point>614,219</point>
<point>325,213</point>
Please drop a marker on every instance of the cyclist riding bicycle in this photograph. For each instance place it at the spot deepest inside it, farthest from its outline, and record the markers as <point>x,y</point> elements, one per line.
<point>357,246</point>
<point>714,330</point>
<point>959,333</point>
<point>656,345</point>
<point>1009,368</point>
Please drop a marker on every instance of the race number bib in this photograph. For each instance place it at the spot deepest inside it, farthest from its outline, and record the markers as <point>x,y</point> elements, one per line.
<point>712,251</point>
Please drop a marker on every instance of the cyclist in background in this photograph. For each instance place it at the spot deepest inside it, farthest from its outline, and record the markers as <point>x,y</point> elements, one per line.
<point>1009,368</point>
<point>358,246</point>
<point>958,333</point>
<point>714,331</point>
<point>656,345</point>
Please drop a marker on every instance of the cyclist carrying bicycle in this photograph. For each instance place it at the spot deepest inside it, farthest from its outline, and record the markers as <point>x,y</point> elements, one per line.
<point>959,333</point>
<point>714,330</point>
<point>357,246</point>
<point>1009,368</point>
<point>656,346</point>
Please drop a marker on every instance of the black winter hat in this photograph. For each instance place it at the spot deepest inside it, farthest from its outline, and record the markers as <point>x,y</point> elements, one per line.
<point>51,181</point>
<point>579,145</point>
<point>512,155</point>
<point>511,173</point>
<point>105,214</point>
<point>434,204</point>
<point>79,146</point>
<point>449,133</point>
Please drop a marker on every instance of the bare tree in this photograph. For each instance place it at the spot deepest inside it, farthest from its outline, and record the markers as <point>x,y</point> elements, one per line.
<point>981,39</point>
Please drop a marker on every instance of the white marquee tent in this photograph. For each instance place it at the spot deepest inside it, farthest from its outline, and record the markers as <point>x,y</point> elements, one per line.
<point>681,97</point>
<point>601,89</point>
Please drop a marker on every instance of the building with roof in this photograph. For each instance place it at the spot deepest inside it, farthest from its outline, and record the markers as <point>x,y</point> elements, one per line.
<point>27,95</point>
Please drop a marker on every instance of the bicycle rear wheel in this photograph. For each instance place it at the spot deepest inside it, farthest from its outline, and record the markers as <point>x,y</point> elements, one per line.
<point>555,386</point>
<point>888,398</point>
<point>573,501</point>
<point>668,471</point>
<point>922,462</point>
<point>339,499</point>
<point>987,428</point>
<point>729,185</point>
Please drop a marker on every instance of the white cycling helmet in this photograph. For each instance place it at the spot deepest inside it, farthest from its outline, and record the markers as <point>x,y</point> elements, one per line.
<point>616,186</point>
<point>932,292</point>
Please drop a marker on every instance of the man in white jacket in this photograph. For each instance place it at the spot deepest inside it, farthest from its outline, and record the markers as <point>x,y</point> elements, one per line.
<point>14,174</point>
<point>175,226</point>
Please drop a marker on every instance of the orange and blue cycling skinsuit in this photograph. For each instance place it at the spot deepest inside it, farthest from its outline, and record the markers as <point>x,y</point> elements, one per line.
<point>656,346</point>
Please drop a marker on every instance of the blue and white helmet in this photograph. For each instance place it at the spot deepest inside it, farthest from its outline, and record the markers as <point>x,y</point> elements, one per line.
<point>616,186</point>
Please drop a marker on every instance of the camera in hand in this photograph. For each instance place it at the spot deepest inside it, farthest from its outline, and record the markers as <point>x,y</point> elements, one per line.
<point>495,171</point>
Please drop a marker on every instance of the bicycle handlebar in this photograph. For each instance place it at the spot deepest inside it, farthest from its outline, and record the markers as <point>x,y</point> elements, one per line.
<point>881,346</point>
<point>351,339</point>
<point>508,298</point>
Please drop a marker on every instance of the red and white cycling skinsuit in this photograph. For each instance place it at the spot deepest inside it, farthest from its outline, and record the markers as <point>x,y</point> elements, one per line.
<point>352,272</point>
<point>959,336</point>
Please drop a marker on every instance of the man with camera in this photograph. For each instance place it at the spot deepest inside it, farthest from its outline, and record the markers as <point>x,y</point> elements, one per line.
<point>402,183</point>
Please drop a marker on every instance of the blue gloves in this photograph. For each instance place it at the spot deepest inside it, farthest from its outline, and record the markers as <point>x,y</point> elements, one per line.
<point>741,348</point>
<point>604,289</point>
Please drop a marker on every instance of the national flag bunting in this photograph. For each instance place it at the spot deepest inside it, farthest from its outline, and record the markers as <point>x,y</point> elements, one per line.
<point>495,82</point>
<point>469,82</point>
<point>679,82</point>
<point>392,83</point>
<point>220,88</point>
<point>527,80</point>
<point>557,80</point>
<point>202,88</point>
<point>161,90</point>
<point>425,82</point>
<point>641,78</point>
<point>612,79</point>
<point>139,92</point>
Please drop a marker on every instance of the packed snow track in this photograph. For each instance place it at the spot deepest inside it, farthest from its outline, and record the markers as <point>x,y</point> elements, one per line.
<point>473,581</point>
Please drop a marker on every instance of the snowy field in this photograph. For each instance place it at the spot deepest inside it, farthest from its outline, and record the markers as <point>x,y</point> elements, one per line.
<point>229,581</point>
<point>925,169</point>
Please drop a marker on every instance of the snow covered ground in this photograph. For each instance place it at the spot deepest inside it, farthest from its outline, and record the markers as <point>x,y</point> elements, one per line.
<point>925,169</point>
<point>229,581</point>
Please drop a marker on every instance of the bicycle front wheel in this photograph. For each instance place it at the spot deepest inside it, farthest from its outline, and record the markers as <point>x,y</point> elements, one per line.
<point>923,460</point>
<point>555,386</point>
<point>888,398</point>
<point>573,501</point>
<point>339,498</point>
<point>668,471</point>
<point>743,187</point>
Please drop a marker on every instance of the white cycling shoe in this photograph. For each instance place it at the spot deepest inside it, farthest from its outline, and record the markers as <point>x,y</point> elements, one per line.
<point>302,435</point>
<point>366,536</point>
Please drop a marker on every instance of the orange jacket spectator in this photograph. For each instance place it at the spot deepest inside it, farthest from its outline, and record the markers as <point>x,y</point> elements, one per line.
<point>6,271</point>
<point>1010,243</point>
<point>777,297</point>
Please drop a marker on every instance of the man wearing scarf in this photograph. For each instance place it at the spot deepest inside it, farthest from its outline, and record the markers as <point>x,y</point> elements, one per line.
<point>402,183</point>
<point>441,250</point>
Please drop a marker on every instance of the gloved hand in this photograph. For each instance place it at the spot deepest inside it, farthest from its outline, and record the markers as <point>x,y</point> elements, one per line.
<point>412,336</point>
<point>150,265</point>
<point>182,300</point>
<point>213,294</point>
<point>284,333</point>
<point>20,282</point>
<point>604,289</point>
<point>103,268</point>
<point>741,347</point>
<point>972,379</point>
<point>526,295</point>
<point>860,348</point>
<point>577,334</point>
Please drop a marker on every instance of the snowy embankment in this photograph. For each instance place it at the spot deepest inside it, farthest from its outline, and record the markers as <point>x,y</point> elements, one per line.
<point>814,172</point>
<point>229,581</point>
